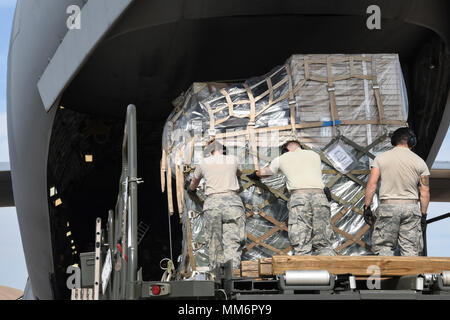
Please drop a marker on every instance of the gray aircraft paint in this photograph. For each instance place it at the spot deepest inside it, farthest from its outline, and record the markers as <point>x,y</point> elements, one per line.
<point>38,30</point>
<point>29,129</point>
<point>97,17</point>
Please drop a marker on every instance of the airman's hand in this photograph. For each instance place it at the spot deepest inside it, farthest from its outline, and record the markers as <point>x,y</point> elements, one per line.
<point>253,176</point>
<point>368,216</point>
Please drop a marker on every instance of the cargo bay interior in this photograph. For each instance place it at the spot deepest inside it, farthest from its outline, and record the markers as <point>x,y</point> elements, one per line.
<point>150,64</point>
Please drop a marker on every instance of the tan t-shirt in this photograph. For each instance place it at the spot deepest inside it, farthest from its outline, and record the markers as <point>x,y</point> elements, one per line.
<point>219,172</point>
<point>302,168</point>
<point>400,170</point>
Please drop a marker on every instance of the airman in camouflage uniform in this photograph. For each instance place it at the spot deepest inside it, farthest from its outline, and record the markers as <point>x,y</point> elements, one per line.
<point>399,222</point>
<point>223,209</point>
<point>309,222</point>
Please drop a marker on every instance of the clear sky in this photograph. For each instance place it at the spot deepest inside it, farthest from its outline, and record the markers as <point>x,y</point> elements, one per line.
<point>12,263</point>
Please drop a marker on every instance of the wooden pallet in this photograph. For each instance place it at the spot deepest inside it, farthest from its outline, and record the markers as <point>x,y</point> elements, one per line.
<point>356,265</point>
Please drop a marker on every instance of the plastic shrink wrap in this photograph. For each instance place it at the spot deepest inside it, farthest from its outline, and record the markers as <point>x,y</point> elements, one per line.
<point>342,106</point>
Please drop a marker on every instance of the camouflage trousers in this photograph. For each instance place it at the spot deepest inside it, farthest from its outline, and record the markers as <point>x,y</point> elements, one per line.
<point>224,228</point>
<point>397,225</point>
<point>309,228</point>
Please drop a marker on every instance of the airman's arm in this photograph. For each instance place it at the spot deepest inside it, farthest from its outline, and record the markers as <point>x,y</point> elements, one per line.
<point>264,172</point>
<point>371,186</point>
<point>424,190</point>
<point>194,183</point>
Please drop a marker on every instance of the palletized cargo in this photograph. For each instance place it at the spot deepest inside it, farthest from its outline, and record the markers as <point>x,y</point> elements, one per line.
<point>342,106</point>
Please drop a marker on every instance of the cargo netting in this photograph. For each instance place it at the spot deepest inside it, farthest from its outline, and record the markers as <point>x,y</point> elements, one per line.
<point>342,106</point>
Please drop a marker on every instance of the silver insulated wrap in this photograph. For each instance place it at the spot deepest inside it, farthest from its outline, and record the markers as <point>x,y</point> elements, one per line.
<point>342,106</point>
